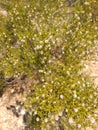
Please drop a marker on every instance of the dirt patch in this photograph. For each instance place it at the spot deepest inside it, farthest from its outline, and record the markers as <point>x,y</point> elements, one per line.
<point>91,68</point>
<point>11,108</point>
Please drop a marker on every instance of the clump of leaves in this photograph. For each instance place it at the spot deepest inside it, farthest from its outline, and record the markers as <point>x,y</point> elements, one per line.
<point>48,41</point>
<point>64,96</point>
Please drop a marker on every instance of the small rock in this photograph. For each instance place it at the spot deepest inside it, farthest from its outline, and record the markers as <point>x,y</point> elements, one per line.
<point>12,91</point>
<point>23,112</point>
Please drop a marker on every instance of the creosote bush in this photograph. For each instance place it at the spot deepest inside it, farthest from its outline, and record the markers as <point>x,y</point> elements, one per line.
<point>51,42</point>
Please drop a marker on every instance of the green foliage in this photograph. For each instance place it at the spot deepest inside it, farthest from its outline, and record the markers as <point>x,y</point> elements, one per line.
<point>2,83</point>
<point>51,41</point>
<point>2,23</point>
<point>69,93</point>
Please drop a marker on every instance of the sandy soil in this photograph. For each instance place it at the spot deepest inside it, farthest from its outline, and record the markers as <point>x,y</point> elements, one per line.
<point>11,109</point>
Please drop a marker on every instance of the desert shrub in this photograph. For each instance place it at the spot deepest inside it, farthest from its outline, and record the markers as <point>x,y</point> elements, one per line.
<point>51,42</point>
<point>40,31</point>
<point>68,100</point>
